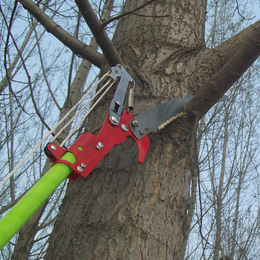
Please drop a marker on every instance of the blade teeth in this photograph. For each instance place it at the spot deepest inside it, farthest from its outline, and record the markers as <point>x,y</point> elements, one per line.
<point>170,120</point>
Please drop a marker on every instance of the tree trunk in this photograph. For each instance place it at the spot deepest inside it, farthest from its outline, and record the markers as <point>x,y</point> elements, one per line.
<point>124,210</point>
<point>130,211</point>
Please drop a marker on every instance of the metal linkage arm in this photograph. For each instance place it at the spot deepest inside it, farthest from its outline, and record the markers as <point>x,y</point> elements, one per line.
<point>116,106</point>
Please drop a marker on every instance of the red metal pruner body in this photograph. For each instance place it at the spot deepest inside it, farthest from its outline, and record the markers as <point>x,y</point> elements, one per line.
<point>90,149</point>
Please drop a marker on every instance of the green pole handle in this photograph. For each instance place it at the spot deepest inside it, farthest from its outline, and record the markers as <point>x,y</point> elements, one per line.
<point>33,199</point>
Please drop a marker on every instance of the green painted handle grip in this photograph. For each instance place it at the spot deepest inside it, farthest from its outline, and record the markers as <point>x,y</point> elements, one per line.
<point>33,199</point>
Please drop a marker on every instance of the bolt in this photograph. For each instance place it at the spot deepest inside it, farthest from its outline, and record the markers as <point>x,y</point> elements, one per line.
<point>141,132</point>
<point>124,127</point>
<point>53,147</point>
<point>83,165</point>
<point>135,123</point>
<point>118,103</point>
<point>114,119</point>
<point>99,145</point>
<point>79,168</point>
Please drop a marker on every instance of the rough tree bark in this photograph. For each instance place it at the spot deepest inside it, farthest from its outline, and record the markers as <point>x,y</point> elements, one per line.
<point>128,211</point>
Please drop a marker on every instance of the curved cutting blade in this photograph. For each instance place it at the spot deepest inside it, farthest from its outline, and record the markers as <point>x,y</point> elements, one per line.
<point>154,119</point>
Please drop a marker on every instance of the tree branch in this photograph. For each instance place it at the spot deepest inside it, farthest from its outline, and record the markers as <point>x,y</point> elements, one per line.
<point>227,75</point>
<point>67,39</point>
<point>44,71</point>
<point>29,80</point>
<point>99,33</point>
<point>126,13</point>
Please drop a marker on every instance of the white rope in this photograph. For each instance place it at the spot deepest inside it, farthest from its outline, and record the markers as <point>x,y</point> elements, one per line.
<point>82,119</point>
<point>105,85</point>
<point>50,132</point>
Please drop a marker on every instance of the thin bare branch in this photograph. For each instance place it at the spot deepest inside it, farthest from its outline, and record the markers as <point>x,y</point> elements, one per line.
<point>44,72</point>
<point>73,56</point>
<point>242,16</point>
<point>71,42</point>
<point>4,81</point>
<point>126,13</point>
<point>29,82</point>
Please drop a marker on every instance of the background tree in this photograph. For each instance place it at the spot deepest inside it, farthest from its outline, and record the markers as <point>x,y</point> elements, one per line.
<point>125,210</point>
<point>228,160</point>
<point>28,243</point>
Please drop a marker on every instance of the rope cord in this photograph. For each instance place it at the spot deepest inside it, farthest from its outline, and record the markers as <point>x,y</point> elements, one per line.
<point>58,124</point>
<point>89,101</point>
<point>84,117</point>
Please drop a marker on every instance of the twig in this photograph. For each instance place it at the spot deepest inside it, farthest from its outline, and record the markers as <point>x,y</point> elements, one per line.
<point>6,50</point>
<point>78,47</point>
<point>13,66</point>
<point>243,17</point>
<point>201,213</point>
<point>199,190</point>
<point>153,16</point>
<point>25,68</point>
<point>126,13</point>
<point>73,57</point>
<point>43,71</point>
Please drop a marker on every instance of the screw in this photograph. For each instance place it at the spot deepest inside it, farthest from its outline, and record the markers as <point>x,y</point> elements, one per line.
<point>79,168</point>
<point>114,119</point>
<point>124,127</point>
<point>53,147</point>
<point>83,165</point>
<point>141,132</point>
<point>99,145</point>
<point>135,123</point>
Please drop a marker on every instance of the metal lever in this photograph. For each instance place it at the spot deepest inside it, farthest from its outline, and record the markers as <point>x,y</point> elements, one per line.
<point>116,106</point>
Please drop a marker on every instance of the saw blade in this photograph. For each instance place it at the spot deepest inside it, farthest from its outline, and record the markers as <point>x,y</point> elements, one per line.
<point>156,118</point>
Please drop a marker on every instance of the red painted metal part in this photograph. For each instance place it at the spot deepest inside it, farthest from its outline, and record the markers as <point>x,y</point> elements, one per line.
<point>85,147</point>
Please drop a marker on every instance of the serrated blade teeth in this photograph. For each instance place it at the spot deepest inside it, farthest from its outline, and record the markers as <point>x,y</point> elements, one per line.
<point>170,120</point>
<point>156,118</point>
